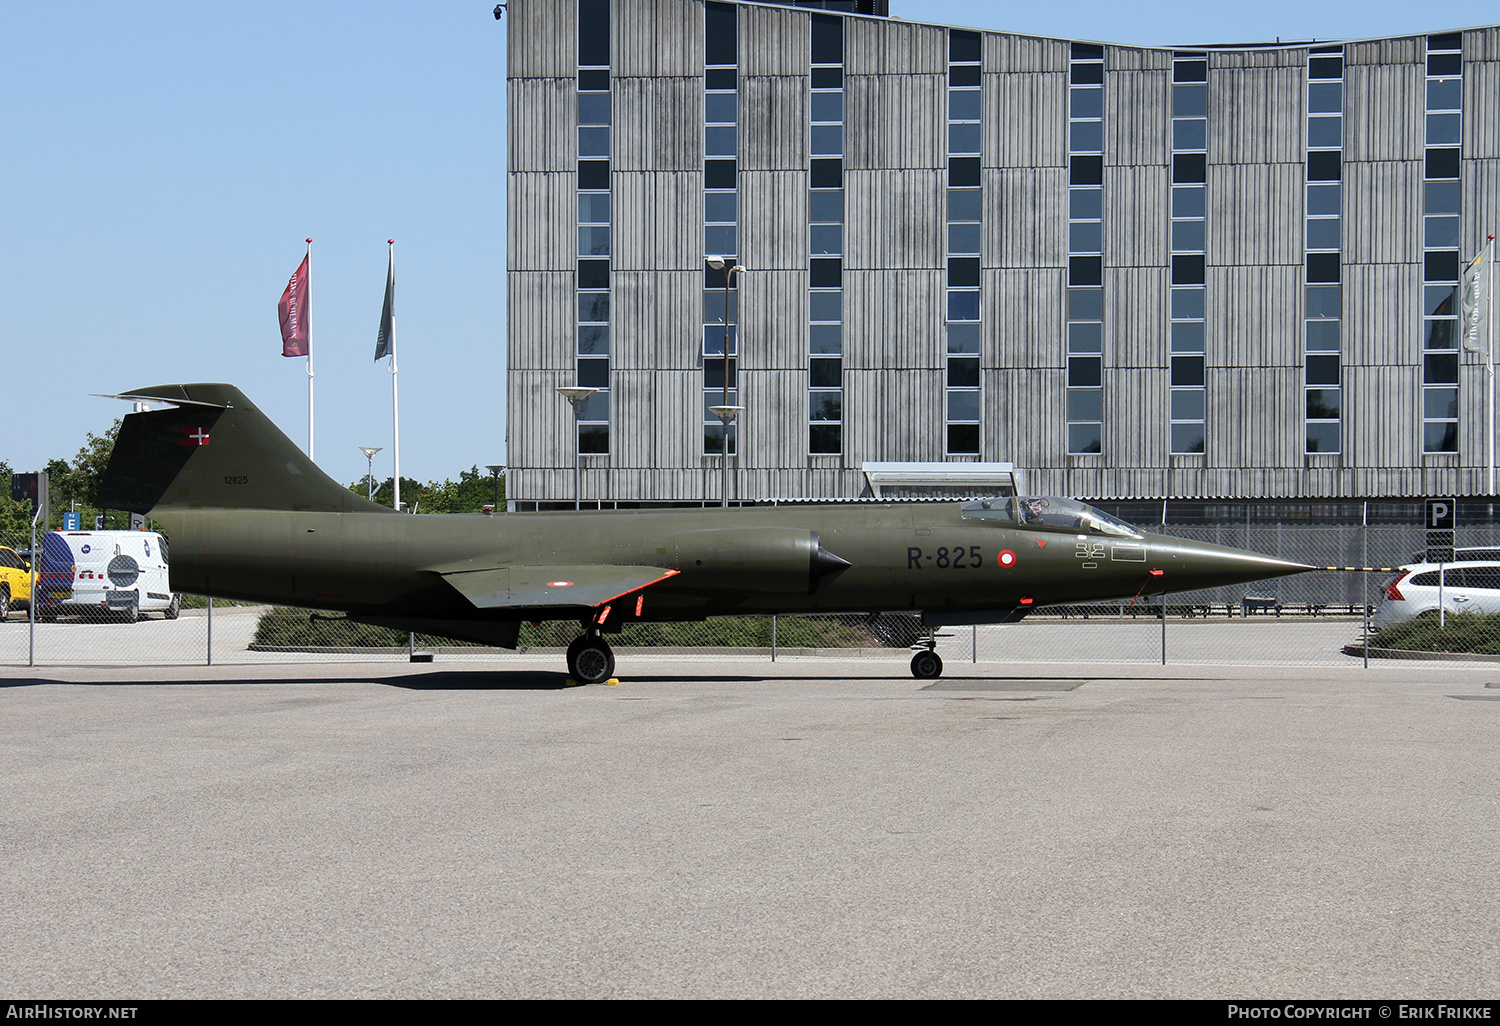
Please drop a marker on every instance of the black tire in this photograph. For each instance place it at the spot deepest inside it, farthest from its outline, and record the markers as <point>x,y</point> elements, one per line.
<point>591,660</point>
<point>174,610</point>
<point>4,601</point>
<point>926,666</point>
<point>130,614</point>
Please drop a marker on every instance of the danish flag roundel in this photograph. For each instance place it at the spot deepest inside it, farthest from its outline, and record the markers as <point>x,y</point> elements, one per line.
<point>1006,558</point>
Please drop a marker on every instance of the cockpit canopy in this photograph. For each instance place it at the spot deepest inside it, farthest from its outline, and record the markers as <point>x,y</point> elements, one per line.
<point>1049,513</point>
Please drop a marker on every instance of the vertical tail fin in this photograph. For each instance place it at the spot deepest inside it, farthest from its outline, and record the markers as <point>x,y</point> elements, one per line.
<point>214,449</point>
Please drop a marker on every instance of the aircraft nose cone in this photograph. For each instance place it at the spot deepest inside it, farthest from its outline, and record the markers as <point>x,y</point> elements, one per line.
<point>1188,564</point>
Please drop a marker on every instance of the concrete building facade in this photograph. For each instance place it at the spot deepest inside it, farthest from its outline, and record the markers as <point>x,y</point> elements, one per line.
<point>1227,272</point>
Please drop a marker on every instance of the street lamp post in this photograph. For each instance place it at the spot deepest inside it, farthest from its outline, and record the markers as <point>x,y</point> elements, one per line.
<point>494,470</point>
<point>370,451</point>
<point>725,412</point>
<point>575,395</point>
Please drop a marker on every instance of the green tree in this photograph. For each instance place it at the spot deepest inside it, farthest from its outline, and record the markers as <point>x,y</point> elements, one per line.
<point>473,490</point>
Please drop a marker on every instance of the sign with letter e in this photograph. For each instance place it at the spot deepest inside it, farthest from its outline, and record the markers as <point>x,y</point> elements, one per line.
<point>1440,514</point>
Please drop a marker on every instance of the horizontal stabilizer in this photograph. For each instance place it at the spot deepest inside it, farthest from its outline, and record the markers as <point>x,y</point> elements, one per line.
<point>537,587</point>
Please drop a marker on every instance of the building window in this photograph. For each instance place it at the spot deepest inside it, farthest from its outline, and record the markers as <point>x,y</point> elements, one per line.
<point>1085,411</point>
<point>720,352</point>
<point>1440,241</point>
<point>962,393</point>
<point>592,283</point>
<point>1189,209</point>
<point>825,416</point>
<point>1322,360</point>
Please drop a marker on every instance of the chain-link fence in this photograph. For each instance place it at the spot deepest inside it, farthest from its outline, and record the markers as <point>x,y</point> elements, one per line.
<point>1312,619</point>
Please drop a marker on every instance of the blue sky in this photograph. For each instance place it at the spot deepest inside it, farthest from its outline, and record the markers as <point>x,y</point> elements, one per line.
<point>162,163</point>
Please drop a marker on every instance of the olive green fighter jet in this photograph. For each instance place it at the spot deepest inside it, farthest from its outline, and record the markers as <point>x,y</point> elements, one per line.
<point>250,517</point>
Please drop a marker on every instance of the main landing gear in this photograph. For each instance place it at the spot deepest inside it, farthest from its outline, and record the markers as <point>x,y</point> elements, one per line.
<point>590,659</point>
<point>927,664</point>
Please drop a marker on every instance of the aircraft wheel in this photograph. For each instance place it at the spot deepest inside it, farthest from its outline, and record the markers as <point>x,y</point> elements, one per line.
<point>926,666</point>
<point>591,660</point>
<point>173,610</point>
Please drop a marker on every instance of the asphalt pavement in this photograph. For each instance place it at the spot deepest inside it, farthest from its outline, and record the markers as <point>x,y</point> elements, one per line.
<point>816,828</point>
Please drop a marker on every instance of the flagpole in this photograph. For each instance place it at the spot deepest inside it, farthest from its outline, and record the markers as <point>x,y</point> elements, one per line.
<point>307,314</point>
<point>395,402</point>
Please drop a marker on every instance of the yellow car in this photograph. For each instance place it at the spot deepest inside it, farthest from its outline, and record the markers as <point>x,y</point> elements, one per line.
<point>15,582</point>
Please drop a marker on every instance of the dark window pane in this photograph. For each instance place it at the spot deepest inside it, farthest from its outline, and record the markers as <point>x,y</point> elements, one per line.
<point>713,439</point>
<point>825,438</point>
<point>1087,74</point>
<point>1441,265</point>
<point>1190,71</point>
<point>1322,438</point>
<point>593,373</point>
<point>1085,170</point>
<point>963,272</point>
<point>963,338</point>
<point>826,373</point>
<point>593,274</point>
<point>719,174</point>
<point>964,75</point>
<point>593,339</point>
<point>963,306</point>
<point>1440,300</point>
<point>1189,168</point>
<point>1440,437</point>
<point>1440,368</point>
<point>593,438</point>
<point>1442,162</point>
<point>593,32</point>
<point>963,172</point>
<point>1087,52</point>
<point>593,80</point>
<point>1087,372</point>
<point>1322,370</point>
<point>1323,268</point>
<point>828,173</point>
<point>828,78</point>
<point>1324,166</point>
<point>1445,63</point>
<point>1187,371</point>
<point>1442,334</point>
<point>720,78</point>
<point>593,174</point>
<point>713,373</point>
<point>963,47</point>
<point>825,405</point>
<point>962,373</point>
<point>826,338</point>
<point>1445,41</point>
<point>1187,269</point>
<point>827,39</point>
<point>721,34</point>
<point>1325,67</point>
<point>826,274</point>
<point>963,438</point>
<point>1082,270</point>
<point>1187,438</point>
<point>1085,438</point>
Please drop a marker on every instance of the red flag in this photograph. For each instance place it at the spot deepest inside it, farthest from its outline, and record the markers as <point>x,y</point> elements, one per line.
<point>295,309</point>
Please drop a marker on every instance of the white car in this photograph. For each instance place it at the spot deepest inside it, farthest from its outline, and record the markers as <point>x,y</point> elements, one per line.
<point>1471,586</point>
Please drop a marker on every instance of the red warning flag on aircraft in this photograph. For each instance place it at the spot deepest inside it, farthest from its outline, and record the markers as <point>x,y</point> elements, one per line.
<point>295,310</point>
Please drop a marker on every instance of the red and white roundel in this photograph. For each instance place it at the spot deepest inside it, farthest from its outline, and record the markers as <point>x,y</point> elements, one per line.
<point>1006,558</point>
<point>559,584</point>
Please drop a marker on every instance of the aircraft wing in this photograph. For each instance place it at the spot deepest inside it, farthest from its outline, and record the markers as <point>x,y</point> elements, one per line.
<point>535,587</point>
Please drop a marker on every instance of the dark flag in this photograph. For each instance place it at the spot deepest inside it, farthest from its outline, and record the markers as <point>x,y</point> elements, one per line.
<point>385,342</point>
<point>295,309</point>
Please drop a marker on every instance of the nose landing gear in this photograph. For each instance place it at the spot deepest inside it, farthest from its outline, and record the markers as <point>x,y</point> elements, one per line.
<point>590,659</point>
<point>927,664</point>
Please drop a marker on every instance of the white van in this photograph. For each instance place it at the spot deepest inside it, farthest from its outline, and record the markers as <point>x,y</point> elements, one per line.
<point>114,574</point>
